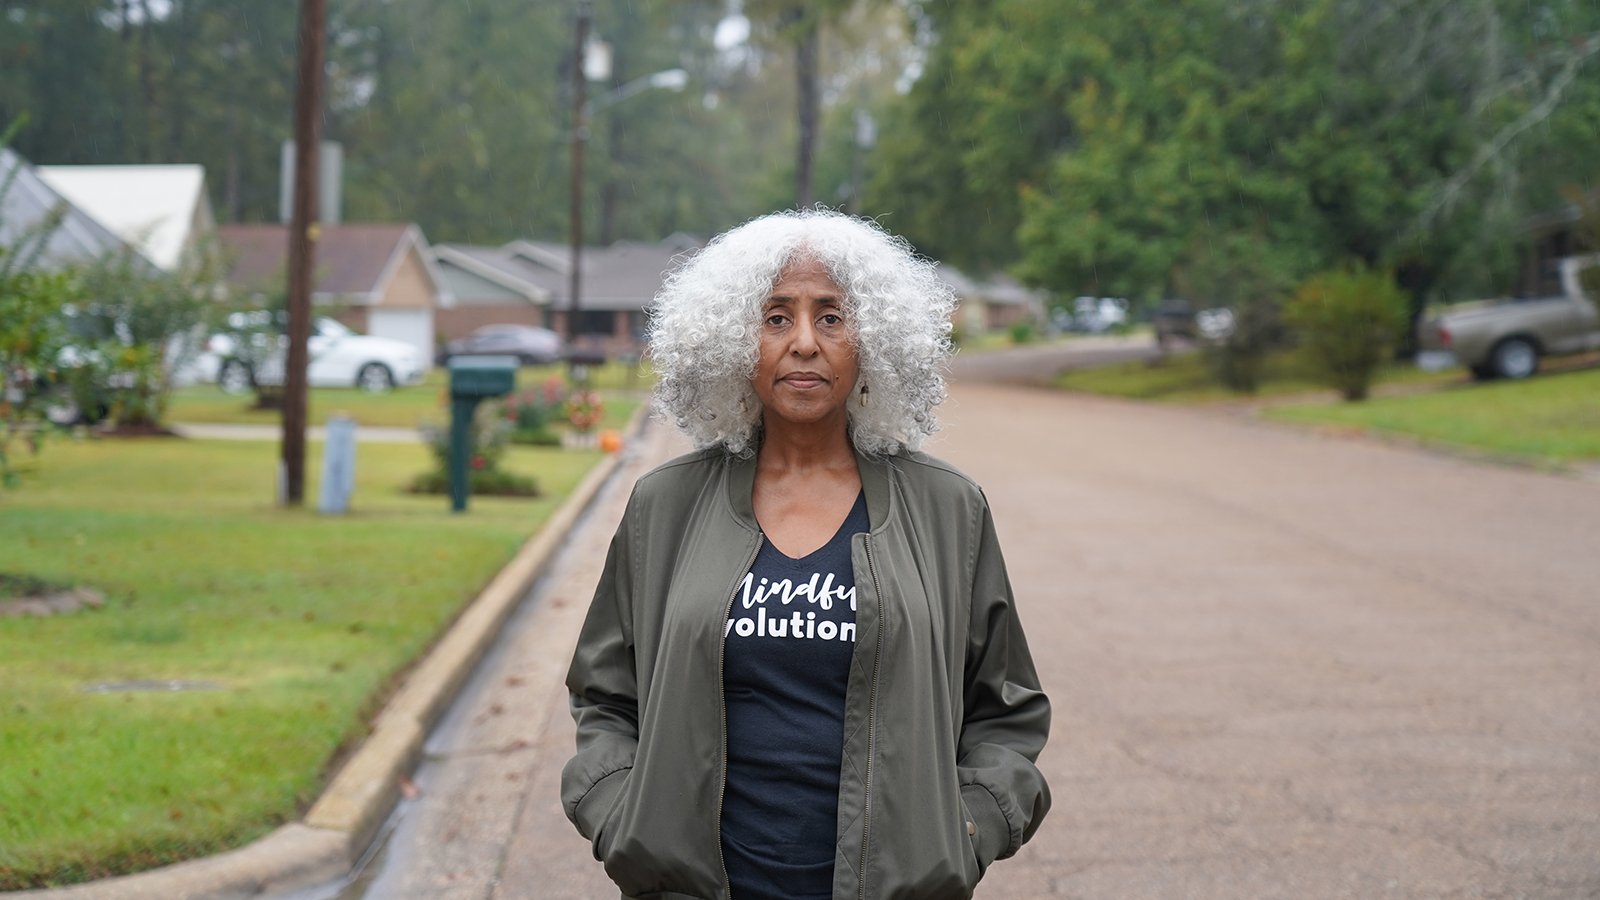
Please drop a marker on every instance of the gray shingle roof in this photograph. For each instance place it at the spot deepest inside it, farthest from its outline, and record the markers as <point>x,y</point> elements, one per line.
<point>28,204</point>
<point>499,265</point>
<point>623,276</point>
<point>351,259</point>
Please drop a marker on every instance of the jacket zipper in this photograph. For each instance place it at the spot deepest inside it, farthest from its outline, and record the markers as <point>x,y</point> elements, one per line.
<point>722,703</point>
<point>872,725</point>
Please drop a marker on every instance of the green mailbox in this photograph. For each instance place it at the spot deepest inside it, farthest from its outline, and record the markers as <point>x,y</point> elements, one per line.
<point>472,379</point>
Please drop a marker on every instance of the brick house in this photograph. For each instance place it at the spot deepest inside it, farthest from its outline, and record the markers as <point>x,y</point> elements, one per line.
<point>377,278</point>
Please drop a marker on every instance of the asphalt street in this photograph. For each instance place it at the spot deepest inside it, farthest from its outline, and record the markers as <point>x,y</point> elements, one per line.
<point>1284,665</point>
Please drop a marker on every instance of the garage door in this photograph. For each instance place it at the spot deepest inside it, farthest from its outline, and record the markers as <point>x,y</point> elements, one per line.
<point>414,326</point>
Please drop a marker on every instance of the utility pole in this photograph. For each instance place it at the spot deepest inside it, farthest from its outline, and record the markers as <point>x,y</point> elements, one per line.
<point>580,134</point>
<point>805,69</point>
<point>302,248</point>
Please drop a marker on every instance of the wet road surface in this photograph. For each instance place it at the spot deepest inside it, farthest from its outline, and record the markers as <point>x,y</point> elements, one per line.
<point>1283,665</point>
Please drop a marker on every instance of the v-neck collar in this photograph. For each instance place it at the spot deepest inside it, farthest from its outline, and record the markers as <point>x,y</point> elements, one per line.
<point>741,483</point>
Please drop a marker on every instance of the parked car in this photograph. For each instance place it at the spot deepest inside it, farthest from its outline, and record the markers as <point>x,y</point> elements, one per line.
<point>98,367</point>
<point>1173,319</point>
<point>339,357</point>
<point>1214,324</point>
<point>530,344</point>
<point>1097,315</point>
<point>1506,338</point>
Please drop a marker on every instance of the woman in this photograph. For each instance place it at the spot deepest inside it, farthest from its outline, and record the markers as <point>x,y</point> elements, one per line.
<point>802,675</point>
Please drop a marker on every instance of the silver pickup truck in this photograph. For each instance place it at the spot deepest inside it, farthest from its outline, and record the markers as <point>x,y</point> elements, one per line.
<point>1506,338</point>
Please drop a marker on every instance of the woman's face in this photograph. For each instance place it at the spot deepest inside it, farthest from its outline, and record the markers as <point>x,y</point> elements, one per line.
<point>807,366</point>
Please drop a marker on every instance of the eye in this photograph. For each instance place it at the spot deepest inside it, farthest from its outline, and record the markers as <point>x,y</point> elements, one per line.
<point>777,320</point>
<point>832,319</point>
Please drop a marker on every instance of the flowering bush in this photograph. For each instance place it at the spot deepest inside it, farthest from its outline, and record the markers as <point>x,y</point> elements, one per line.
<point>584,410</point>
<point>491,434</point>
<point>531,412</point>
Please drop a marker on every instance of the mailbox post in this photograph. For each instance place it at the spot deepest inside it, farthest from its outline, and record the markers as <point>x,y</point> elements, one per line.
<point>472,380</point>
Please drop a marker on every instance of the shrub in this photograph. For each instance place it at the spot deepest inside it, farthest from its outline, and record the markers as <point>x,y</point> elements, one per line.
<point>491,433</point>
<point>499,483</point>
<point>532,411</point>
<point>1242,275</point>
<point>1348,321</point>
<point>1238,356</point>
<point>1021,332</point>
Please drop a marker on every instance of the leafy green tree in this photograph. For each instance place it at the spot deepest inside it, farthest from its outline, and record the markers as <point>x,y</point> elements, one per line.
<point>136,81</point>
<point>800,26</point>
<point>663,161</point>
<point>976,130</point>
<point>31,338</point>
<point>1112,148</point>
<point>455,115</point>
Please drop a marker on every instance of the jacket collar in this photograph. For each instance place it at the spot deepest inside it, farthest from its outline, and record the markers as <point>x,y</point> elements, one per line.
<point>875,477</point>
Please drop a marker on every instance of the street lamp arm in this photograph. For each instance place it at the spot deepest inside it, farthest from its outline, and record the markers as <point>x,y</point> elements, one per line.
<point>667,79</point>
<point>583,106</point>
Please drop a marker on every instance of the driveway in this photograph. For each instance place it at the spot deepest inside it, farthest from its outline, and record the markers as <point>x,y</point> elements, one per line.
<point>1283,665</point>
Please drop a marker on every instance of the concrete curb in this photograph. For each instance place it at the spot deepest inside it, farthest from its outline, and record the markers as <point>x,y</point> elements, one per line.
<point>342,823</point>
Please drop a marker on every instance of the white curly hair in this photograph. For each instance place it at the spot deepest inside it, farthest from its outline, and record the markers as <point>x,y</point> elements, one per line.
<point>705,328</point>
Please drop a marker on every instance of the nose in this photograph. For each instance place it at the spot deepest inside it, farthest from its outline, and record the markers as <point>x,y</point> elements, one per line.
<point>804,342</point>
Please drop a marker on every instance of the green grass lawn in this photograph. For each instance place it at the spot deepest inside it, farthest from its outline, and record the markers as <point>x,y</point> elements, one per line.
<point>1188,378</point>
<point>298,624</point>
<point>405,407</point>
<point>1552,418</point>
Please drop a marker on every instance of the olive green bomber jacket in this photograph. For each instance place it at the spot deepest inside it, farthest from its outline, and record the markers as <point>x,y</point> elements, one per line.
<point>944,716</point>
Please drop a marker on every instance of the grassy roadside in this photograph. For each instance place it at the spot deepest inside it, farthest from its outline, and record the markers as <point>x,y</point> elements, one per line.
<point>1553,419</point>
<point>1186,378</point>
<point>1001,339</point>
<point>290,625</point>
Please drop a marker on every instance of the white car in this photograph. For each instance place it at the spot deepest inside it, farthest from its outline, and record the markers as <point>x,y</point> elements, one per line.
<point>339,358</point>
<point>1097,315</point>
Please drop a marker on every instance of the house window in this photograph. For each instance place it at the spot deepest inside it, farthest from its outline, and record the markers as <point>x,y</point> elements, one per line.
<point>596,321</point>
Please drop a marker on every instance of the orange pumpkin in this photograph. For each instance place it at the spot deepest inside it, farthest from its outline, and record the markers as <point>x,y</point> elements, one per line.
<point>610,441</point>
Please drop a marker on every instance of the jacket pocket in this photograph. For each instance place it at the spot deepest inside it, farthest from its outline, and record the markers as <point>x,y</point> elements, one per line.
<point>987,828</point>
<point>597,811</point>
<point>970,866</point>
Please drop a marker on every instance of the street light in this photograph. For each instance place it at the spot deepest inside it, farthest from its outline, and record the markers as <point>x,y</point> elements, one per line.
<point>669,79</point>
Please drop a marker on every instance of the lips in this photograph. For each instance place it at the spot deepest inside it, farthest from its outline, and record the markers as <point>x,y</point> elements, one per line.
<point>804,380</point>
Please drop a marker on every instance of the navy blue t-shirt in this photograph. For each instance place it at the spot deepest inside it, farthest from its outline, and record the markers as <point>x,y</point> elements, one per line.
<point>790,634</point>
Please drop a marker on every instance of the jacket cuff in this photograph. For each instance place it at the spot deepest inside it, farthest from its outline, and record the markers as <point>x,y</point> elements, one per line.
<point>994,832</point>
<point>598,802</point>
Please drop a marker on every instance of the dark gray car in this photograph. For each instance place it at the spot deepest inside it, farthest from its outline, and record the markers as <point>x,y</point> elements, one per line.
<point>530,344</point>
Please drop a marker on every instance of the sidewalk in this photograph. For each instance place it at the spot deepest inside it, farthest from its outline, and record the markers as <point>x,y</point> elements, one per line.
<point>365,434</point>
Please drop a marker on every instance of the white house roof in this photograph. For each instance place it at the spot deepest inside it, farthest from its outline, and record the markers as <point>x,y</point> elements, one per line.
<point>150,207</point>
